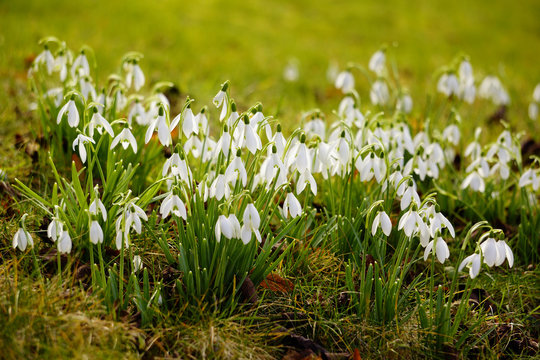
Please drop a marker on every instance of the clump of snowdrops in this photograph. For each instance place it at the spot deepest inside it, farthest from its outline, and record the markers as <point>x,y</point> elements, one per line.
<point>225,193</point>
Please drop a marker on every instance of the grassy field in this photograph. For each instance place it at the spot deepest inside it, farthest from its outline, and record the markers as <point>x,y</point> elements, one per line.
<point>198,45</point>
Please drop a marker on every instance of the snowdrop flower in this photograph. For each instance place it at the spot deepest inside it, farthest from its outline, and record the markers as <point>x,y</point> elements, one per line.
<point>379,93</point>
<point>533,106</point>
<point>173,203</point>
<point>473,262</point>
<point>467,90</point>
<point>251,224</point>
<point>46,58</point>
<point>220,100</point>
<point>410,196</point>
<point>250,138</point>
<point>137,263</point>
<point>96,207</point>
<point>134,75</point>
<point>99,123</point>
<point>223,227</point>
<point>279,141</point>
<point>126,139</point>
<point>164,132</point>
<point>87,89</point>
<point>292,206</point>
<point>410,222</point>
<point>272,167</point>
<point>22,239</point>
<point>448,84</point>
<point>60,65</point>
<point>530,177</point>
<point>440,249</point>
<point>134,214</point>
<point>371,166</point>
<point>495,252</point>
<point>80,66</point>
<point>306,178</point>
<point>79,141</point>
<point>474,181</point>
<point>96,233</point>
<point>220,188</point>
<point>138,114</point>
<point>70,108</point>
<point>492,89</point>
<point>377,63</point>
<point>64,243</point>
<point>291,72</point>
<point>451,134</point>
<point>533,111</point>
<point>176,166</point>
<point>405,104</point>
<point>315,128</point>
<point>224,142</point>
<point>189,122</point>
<point>235,170</point>
<point>381,220</point>
<point>345,81</point>
<point>55,228</point>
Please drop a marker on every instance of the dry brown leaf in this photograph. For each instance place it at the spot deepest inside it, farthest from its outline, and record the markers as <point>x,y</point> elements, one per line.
<point>276,283</point>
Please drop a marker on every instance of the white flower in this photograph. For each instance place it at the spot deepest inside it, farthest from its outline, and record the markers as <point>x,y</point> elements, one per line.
<point>410,222</point>
<point>251,224</point>
<point>345,81</point>
<point>164,132</point>
<point>97,207</point>
<point>137,263</point>
<point>530,177</point>
<point>79,141</point>
<point>220,100</point>
<point>55,228</point>
<point>474,181</point>
<point>125,138</point>
<point>177,167</point>
<point>379,94</point>
<point>441,249</point>
<point>70,108</point>
<point>173,203</point>
<point>223,227</point>
<point>473,262</point>
<point>306,178</point>
<point>492,89</point>
<point>382,220</point>
<point>138,114</point>
<point>64,243</point>
<point>291,73</point>
<point>236,169</point>
<point>224,142</point>
<point>99,123</point>
<point>138,77</point>
<point>292,206</point>
<point>448,84</point>
<point>80,66</point>
<point>533,111</point>
<point>495,252</point>
<point>45,57</point>
<point>96,233</point>
<point>405,104</point>
<point>21,239</point>
<point>377,62</point>
<point>220,188</point>
<point>189,123</point>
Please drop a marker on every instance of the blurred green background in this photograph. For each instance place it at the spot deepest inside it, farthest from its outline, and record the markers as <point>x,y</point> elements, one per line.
<point>199,44</point>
